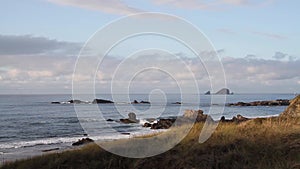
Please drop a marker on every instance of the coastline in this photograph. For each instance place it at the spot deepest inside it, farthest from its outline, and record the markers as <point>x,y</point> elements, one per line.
<point>232,145</point>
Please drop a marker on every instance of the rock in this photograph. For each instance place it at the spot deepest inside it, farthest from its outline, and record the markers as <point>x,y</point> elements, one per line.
<point>101,101</point>
<point>147,125</point>
<point>83,141</point>
<point>52,149</point>
<point>135,102</point>
<point>125,133</point>
<point>238,119</point>
<point>293,110</point>
<point>207,93</point>
<point>163,124</point>
<point>131,119</point>
<point>196,114</point>
<point>241,118</point>
<point>76,101</point>
<point>110,120</point>
<point>55,103</point>
<point>144,102</point>
<point>223,91</point>
<point>278,102</point>
<point>177,103</point>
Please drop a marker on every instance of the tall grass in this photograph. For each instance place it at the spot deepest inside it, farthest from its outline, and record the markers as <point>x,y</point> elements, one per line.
<point>260,143</point>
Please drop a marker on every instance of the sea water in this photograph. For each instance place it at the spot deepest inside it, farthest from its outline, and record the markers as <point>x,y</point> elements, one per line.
<point>30,124</point>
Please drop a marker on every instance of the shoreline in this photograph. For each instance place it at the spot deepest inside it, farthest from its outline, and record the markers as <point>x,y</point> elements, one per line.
<point>227,139</point>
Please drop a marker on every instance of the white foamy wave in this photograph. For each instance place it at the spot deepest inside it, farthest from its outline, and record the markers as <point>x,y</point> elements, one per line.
<point>47,141</point>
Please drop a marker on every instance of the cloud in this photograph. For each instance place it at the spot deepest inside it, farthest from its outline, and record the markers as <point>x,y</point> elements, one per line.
<point>27,44</point>
<point>107,6</point>
<point>270,35</point>
<point>208,5</point>
<point>279,55</point>
<point>55,73</point>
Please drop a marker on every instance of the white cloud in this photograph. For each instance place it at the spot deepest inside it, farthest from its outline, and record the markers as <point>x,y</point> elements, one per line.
<point>208,5</point>
<point>27,44</point>
<point>107,6</point>
<point>270,35</point>
<point>45,72</point>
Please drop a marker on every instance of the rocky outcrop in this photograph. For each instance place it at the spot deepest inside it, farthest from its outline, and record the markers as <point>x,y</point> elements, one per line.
<point>101,101</point>
<point>76,101</point>
<point>207,93</point>
<point>196,114</point>
<point>141,102</point>
<point>293,110</point>
<point>161,124</point>
<point>224,91</point>
<point>83,141</point>
<point>238,119</point>
<point>131,119</point>
<point>279,102</point>
<point>190,116</point>
<point>177,103</point>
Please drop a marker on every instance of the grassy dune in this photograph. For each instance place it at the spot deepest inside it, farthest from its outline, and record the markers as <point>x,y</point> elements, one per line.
<point>260,143</point>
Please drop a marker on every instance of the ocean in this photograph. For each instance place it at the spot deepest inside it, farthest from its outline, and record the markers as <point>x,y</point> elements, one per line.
<point>30,124</point>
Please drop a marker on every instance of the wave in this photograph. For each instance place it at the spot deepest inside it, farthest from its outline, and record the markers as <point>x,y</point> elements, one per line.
<point>61,140</point>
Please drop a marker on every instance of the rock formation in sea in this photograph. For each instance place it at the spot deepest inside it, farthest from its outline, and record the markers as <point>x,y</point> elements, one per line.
<point>131,119</point>
<point>82,142</point>
<point>207,93</point>
<point>224,91</point>
<point>279,102</point>
<point>101,101</point>
<point>141,102</point>
<point>293,110</point>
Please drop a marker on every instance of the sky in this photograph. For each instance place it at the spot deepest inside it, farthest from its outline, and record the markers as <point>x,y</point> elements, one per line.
<point>256,41</point>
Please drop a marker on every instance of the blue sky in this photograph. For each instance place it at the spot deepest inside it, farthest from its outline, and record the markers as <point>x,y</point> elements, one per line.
<point>266,30</point>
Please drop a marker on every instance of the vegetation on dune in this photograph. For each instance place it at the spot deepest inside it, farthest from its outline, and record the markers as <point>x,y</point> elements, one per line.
<point>258,143</point>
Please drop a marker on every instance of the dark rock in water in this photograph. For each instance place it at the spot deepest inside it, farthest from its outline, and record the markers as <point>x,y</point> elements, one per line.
<point>85,134</point>
<point>223,91</point>
<point>131,119</point>
<point>52,149</point>
<point>238,119</point>
<point>135,102</point>
<point>125,133</point>
<point>147,125</point>
<point>110,120</point>
<point>163,124</point>
<point>101,101</point>
<point>293,110</point>
<point>278,102</point>
<point>55,103</point>
<point>83,141</point>
<point>177,103</point>
<point>76,101</point>
<point>207,93</point>
<point>144,102</point>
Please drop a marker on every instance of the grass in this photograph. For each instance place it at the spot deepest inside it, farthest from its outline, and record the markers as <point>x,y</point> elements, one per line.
<point>260,143</point>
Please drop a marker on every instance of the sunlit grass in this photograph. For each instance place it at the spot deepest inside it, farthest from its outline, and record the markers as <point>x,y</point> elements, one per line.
<point>259,143</point>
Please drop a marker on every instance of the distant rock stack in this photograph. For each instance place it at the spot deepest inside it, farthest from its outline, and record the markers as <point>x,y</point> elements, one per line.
<point>224,91</point>
<point>293,110</point>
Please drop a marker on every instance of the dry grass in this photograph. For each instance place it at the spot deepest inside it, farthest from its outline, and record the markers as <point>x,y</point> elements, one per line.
<point>260,143</point>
